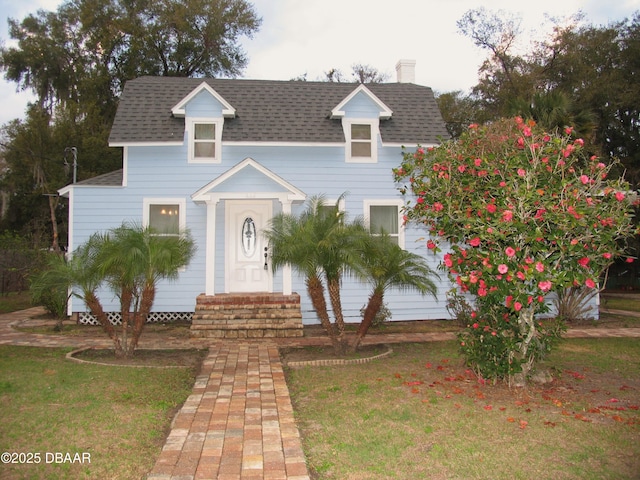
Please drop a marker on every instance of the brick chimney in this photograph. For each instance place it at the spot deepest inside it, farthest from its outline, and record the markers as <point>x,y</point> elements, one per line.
<point>406,71</point>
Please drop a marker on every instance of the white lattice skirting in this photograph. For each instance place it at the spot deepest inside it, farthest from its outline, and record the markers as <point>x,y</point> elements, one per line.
<point>85,318</point>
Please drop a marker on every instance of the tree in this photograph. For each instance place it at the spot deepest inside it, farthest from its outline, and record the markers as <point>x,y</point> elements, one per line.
<point>131,260</point>
<point>523,213</point>
<point>33,172</point>
<point>384,265</point>
<point>360,73</point>
<point>315,244</point>
<point>321,244</point>
<point>458,111</point>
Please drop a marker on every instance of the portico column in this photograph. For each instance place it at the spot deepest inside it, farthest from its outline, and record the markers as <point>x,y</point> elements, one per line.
<point>210,247</point>
<point>286,271</point>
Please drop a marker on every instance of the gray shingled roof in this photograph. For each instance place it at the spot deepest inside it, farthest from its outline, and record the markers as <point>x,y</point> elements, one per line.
<point>273,111</point>
<point>111,179</point>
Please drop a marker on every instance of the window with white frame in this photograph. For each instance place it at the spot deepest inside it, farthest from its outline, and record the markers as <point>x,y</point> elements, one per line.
<point>164,216</point>
<point>204,141</point>
<point>361,136</point>
<point>385,217</point>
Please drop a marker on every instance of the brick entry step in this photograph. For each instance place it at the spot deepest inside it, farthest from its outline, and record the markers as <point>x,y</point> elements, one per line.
<point>247,315</point>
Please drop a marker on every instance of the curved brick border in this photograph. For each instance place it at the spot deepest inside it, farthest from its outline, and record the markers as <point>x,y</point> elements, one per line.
<point>72,356</point>
<point>339,361</point>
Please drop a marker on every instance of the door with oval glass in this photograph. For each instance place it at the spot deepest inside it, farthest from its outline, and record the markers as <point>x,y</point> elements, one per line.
<point>247,268</point>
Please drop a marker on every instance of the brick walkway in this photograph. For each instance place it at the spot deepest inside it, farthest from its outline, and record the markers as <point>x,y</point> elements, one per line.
<point>238,422</point>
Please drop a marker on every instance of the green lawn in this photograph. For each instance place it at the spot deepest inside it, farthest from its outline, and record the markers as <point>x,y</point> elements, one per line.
<point>117,416</point>
<point>14,301</point>
<point>421,414</point>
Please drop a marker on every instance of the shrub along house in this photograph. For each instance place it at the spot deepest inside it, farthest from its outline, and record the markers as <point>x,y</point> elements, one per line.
<point>221,157</point>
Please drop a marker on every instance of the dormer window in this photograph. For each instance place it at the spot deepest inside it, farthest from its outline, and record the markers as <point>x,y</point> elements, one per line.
<point>361,140</point>
<point>204,141</point>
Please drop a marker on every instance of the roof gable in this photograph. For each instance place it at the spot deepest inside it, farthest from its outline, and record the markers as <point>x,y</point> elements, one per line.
<point>339,110</point>
<point>248,165</point>
<point>179,110</point>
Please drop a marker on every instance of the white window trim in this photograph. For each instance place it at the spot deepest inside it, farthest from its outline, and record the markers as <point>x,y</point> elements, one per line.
<point>367,204</point>
<point>375,134</point>
<point>190,126</point>
<point>181,202</point>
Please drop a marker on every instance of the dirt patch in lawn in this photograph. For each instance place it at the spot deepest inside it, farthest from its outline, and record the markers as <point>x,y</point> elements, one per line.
<point>144,358</point>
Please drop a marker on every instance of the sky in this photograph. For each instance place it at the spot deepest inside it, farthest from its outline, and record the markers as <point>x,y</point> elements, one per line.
<point>310,37</point>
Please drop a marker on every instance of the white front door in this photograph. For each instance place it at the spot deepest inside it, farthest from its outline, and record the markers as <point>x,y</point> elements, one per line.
<point>246,266</point>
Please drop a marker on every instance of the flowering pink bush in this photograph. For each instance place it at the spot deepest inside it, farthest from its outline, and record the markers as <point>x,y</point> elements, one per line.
<point>522,212</point>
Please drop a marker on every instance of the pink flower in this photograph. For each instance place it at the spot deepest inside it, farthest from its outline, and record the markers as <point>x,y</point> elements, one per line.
<point>568,130</point>
<point>522,172</point>
<point>620,196</point>
<point>491,208</point>
<point>507,215</point>
<point>607,255</point>
<point>447,260</point>
<point>521,276</point>
<point>584,179</point>
<point>584,261</point>
<point>590,283</point>
<point>509,301</point>
<point>539,267</point>
<point>510,252</point>
<point>462,168</point>
<point>431,245</point>
<point>502,268</point>
<point>544,285</point>
<point>477,162</point>
<point>520,142</point>
<point>474,242</point>
<point>629,260</point>
<point>579,142</point>
<point>526,131</point>
<point>438,206</point>
<point>420,200</point>
<point>517,306</point>
<point>568,151</point>
<point>475,325</point>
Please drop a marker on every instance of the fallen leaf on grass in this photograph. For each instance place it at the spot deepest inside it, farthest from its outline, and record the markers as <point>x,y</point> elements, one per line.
<point>523,424</point>
<point>488,407</point>
<point>550,424</point>
<point>579,416</point>
<point>411,384</point>
<point>511,419</point>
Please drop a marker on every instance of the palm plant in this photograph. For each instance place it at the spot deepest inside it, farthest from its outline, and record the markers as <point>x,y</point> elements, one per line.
<point>132,260</point>
<point>83,273</point>
<point>385,265</point>
<point>315,243</point>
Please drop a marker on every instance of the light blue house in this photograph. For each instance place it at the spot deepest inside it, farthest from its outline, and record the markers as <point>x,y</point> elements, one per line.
<point>221,157</point>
